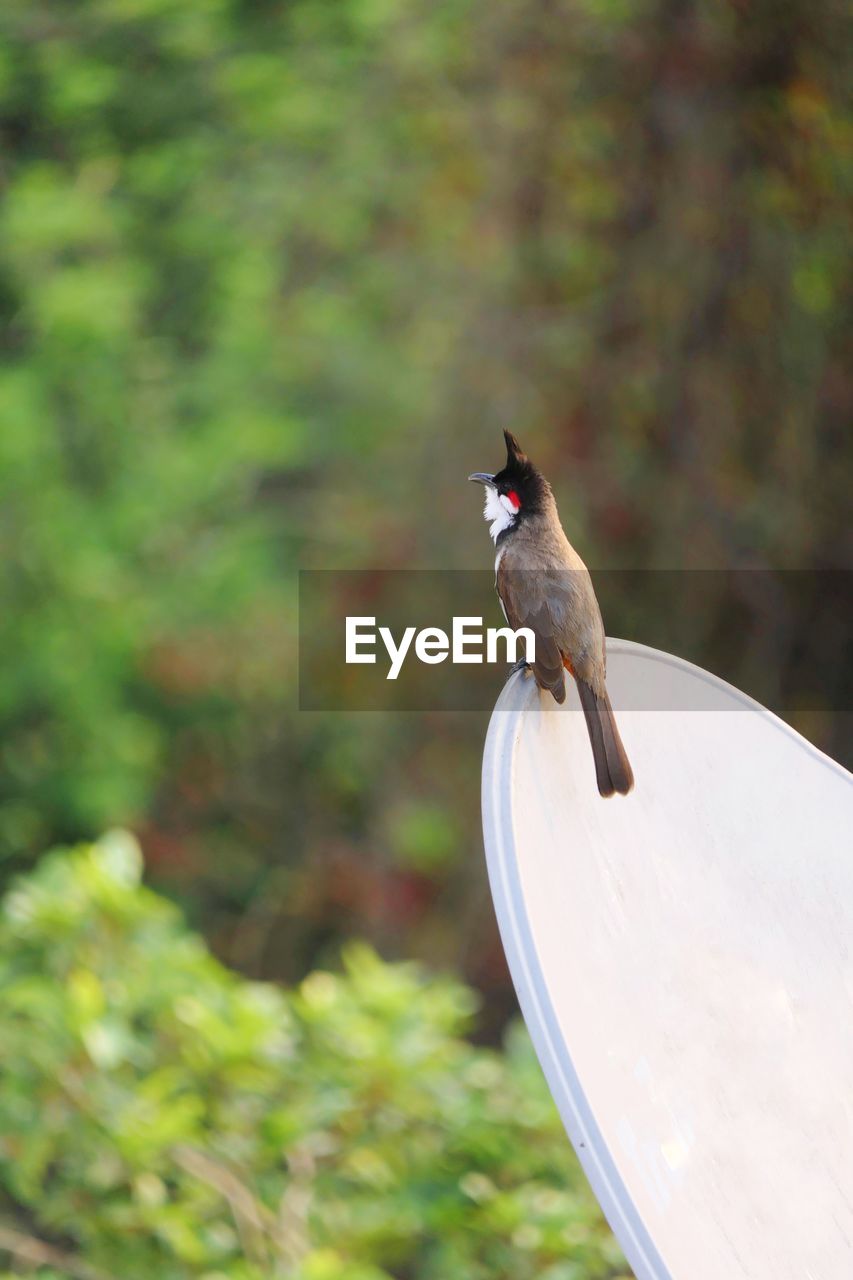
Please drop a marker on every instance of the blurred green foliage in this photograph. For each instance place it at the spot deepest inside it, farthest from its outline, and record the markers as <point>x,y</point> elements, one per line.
<point>161,1117</point>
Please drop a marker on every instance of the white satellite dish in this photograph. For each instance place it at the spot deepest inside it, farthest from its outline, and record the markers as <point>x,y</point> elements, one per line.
<point>683,958</point>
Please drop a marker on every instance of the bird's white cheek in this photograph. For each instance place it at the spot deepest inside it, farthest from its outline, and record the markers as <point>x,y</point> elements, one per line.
<point>499,513</point>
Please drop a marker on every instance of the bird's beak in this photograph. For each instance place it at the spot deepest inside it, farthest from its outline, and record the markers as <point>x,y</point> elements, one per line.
<point>483,477</point>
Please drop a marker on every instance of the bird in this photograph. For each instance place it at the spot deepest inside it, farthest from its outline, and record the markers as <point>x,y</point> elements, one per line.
<point>542,583</point>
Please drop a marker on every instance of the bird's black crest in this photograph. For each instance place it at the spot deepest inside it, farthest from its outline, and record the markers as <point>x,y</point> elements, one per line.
<point>514,452</point>
<point>520,474</point>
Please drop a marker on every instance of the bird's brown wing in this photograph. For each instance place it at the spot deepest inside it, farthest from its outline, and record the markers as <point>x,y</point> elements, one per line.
<point>525,604</point>
<point>559,606</point>
<point>575,622</point>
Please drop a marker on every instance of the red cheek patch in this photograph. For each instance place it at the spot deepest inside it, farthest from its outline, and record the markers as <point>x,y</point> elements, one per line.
<point>514,498</point>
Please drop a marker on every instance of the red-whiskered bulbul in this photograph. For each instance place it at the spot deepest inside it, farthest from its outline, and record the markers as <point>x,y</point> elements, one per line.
<point>543,584</point>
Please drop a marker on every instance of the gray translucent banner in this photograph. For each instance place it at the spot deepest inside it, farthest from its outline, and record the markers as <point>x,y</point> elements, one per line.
<point>781,637</point>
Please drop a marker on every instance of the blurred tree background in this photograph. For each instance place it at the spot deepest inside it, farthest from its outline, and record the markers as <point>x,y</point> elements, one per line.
<point>272,277</point>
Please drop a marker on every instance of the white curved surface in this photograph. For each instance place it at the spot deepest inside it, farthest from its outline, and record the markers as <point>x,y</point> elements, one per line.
<point>684,962</point>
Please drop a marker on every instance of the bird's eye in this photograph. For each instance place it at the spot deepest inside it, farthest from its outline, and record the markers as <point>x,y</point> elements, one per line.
<point>514,499</point>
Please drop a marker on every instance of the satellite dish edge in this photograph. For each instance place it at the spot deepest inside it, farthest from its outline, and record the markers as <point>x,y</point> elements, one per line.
<point>681,958</point>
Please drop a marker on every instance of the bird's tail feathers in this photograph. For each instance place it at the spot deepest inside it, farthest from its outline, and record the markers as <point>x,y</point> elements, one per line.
<point>612,768</point>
